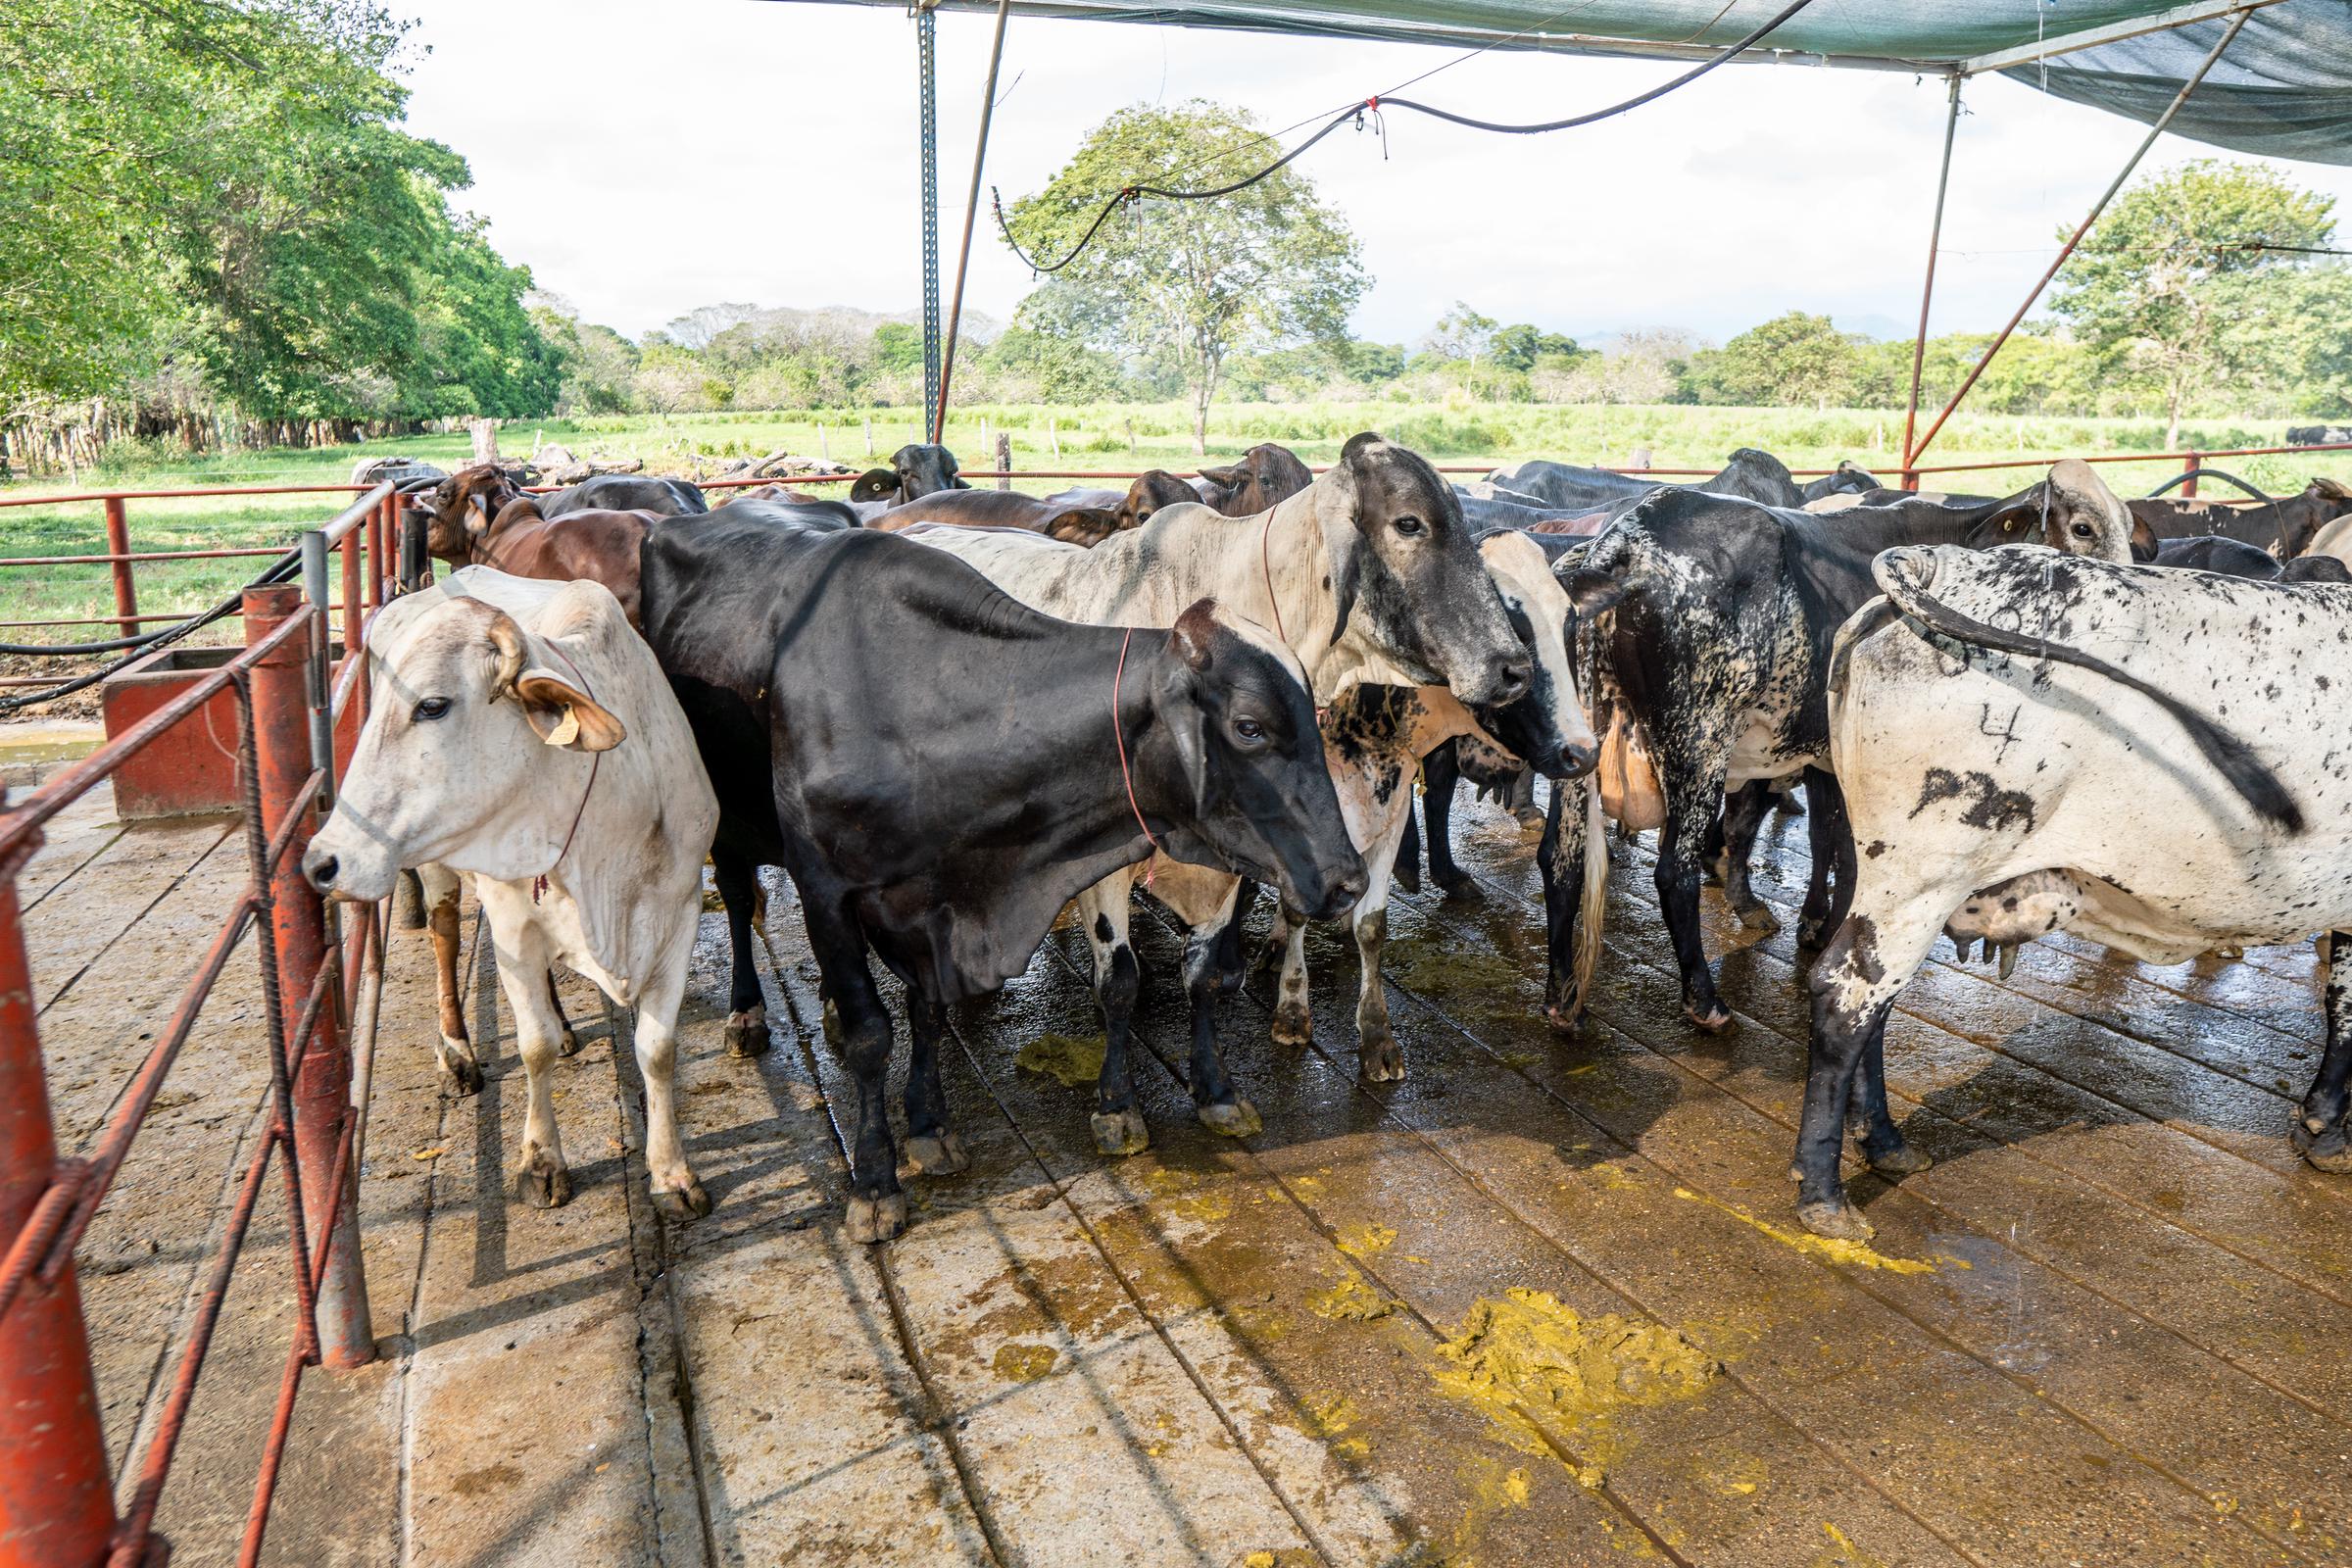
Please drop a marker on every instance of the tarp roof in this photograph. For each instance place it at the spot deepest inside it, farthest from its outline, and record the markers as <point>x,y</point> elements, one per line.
<point>2284,89</point>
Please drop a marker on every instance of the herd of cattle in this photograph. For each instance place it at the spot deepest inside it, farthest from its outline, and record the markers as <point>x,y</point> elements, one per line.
<point>951,714</point>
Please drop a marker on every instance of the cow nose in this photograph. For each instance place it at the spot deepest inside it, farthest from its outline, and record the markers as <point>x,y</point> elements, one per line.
<point>1581,760</point>
<point>1507,677</point>
<point>320,871</point>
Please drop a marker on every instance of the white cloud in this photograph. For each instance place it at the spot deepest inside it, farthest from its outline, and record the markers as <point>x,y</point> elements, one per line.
<point>646,159</point>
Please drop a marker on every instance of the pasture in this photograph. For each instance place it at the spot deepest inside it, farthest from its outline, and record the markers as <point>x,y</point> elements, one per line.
<point>1089,437</point>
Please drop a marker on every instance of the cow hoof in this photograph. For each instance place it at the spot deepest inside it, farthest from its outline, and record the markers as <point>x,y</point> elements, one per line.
<point>463,1075</point>
<point>1562,1019</point>
<point>1714,870</point>
<point>1839,1221</point>
<point>1530,819</point>
<point>832,1023</point>
<point>568,1044</point>
<point>541,1182</point>
<point>876,1219</point>
<point>942,1154</point>
<point>1902,1160</point>
<point>1459,886</point>
<point>1120,1133</point>
<point>1407,877</point>
<point>1814,935</point>
<point>1291,1026</point>
<point>1716,1020</point>
<point>1234,1118</point>
<point>745,1035</point>
<point>2329,1149</point>
<point>2229,950</point>
<point>680,1204</point>
<point>1759,918</point>
<point>1380,1062</point>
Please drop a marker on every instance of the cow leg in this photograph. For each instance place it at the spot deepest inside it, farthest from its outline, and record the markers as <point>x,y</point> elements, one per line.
<point>1233,966</point>
<point>1743,812</point>
<point>1118,1124</point>
<point>1874,954</point>
<point>1405,869</point>
<point>877,1209</point>
<point>1520,796</point>
<point>1217,1103</point>
<point>1784,799</point>
<point>1871,1119</point>
<point>1688,813</point>
<point>453,1049</point>
<point>1831,888</point>
<point>1377,1056</point>
<point>538,1177</point>
<point>1440,772</point>
<point>407,901</point>
<point>737,881</point>
<point>1293,1015</point>
<point>932,1145</point>
<point>2322,1134</point>
<point>677,1194</point>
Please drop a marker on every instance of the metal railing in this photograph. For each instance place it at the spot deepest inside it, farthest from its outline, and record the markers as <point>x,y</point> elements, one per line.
<point>57,1498</point>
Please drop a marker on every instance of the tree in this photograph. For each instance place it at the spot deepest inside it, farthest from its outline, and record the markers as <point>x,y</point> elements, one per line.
<point>1461,333</point>
<point>2171,285</point>
<point>1519,346</point>
<point>1790,361</point>
<point>1196,281</point>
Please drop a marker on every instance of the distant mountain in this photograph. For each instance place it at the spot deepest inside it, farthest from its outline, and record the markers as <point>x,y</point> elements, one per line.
<point>1873,327</point>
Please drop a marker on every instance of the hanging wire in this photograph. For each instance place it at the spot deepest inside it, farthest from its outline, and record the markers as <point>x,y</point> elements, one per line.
<point>1353,114</point>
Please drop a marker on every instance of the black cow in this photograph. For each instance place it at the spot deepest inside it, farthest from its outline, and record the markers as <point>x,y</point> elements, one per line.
<point>916,469</point>
<point>1750,474</point>
<point>2282,527</point>
<point>1847,479</point>
<point>2230,559</point>
<point>627,492</point>
<point>943,821</point>
<point>1718,651</point>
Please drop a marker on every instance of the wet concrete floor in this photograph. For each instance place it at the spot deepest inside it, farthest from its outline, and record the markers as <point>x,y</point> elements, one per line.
<point>1542,1302</point>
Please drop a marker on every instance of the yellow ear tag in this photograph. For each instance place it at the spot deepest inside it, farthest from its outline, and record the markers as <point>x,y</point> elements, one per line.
<point>567,731</point>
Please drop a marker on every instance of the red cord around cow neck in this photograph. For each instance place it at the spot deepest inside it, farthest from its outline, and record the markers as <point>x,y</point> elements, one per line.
<point>1118,736</point>
<point>1265,563</point>
<point>596,762</point>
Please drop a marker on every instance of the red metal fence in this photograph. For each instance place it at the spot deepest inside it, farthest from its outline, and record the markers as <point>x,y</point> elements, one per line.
<point>58,1503</point>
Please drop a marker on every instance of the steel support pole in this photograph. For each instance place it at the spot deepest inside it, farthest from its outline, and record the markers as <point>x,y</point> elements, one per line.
<point>1927,290</point>
<point>285,731</point>
<point>57,1503</point>
<point>928,133</point>
<point>2228,35</point>
<point>127,593</point>
<point>971,212</point>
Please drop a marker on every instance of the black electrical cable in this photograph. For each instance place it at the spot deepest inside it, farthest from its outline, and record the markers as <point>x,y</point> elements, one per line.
<point>1354,112</point>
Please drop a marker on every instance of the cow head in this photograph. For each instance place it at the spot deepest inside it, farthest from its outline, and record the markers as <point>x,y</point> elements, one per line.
<point>1265,475</point>
<point>1086,526</point>
<point>2072,512</point>
<point>1233,702</point>
<point>461,508</point>
<point>2321,501</point>
<point>1848,478</point>
<point>1546,726</point>
<point>1402,558</point>
<point>1153,489</point>
<point>1756,476</point>
<point>2315,568</point>
<point>456,765</point>
<point>925,470</point>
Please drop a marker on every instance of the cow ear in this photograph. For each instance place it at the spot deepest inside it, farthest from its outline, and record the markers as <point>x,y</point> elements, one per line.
<point>1594,592</point>
<point>564,716</point>
<point>1083,525</point>
<point>1190,638</point>
<point>2143,541</point>
<point>1231,478</point>
<point>874,484</point>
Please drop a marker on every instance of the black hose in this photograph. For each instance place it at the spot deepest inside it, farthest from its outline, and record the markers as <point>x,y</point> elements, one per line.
<point>279,570</point>
<point>2210,473</point>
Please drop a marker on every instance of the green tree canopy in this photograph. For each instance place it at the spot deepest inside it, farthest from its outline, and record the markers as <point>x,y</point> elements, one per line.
<point>1794,358</point>
<point>1195,281</point>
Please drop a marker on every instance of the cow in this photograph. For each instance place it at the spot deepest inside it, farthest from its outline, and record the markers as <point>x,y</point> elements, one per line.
<point>1003,509</point>
<point>1750,474</point>
<point>627,492</point>
<point>1152,490</point>
<point>479,516</point>
<point>521,736</point>
<point>942,823</point>
<point>1266,476</point>
<point>1368,575</point>
<point>916,469</point>
<point>2169,770</point>
<point>1848,478</point>
<point>2230,559</point>
<point>1713,668</point>
<point>2331,542</point>
<point>2282,527</point>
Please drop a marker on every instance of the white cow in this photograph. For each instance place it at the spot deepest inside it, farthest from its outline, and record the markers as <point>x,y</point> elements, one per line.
<point>522,736</point>
<point>2159,760</point>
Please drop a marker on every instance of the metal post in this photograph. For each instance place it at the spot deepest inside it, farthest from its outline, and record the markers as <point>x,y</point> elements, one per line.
<point>2190,463</point>
<point>285,733</point>
<point>57,1504</point>
<point>971,211</point>
<point>1927,290</point>
<point>383,524</point>
<point>318,685</point>
<point>2228,35</point>
<point>926,56</point>
<point>127,593</point>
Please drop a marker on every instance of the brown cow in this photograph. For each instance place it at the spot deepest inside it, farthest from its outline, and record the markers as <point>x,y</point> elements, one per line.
<point>1005,509</point>
<point>479,516</point>
<point>1152,490</point>
<point>1267,475</point>
<point>2282,527</point>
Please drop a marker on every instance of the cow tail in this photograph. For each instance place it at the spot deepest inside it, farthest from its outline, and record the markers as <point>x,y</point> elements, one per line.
<point>2254,780</point>
<point>1593,901</point>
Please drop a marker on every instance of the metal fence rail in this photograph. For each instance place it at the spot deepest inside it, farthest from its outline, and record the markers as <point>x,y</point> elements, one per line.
<point>57,1500</point>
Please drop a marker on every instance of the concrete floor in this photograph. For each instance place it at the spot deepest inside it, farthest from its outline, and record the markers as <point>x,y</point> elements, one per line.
<point>1544,1303</point>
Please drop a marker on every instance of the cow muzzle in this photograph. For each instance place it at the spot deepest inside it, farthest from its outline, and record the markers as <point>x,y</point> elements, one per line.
<point>1504,680</point>
<point>339,876</point>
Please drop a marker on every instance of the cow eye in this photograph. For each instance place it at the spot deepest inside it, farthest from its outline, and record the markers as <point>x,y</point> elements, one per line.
<point>429,709</point>
<point>1250,731</point>
<point>2081,530</point>
<point>1410,527</point>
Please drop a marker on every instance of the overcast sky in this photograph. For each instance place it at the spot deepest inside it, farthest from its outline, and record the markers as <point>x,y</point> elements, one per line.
<point>646,158</point>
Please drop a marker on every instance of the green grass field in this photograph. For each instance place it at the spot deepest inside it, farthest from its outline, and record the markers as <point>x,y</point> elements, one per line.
<point>1098,436</point>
